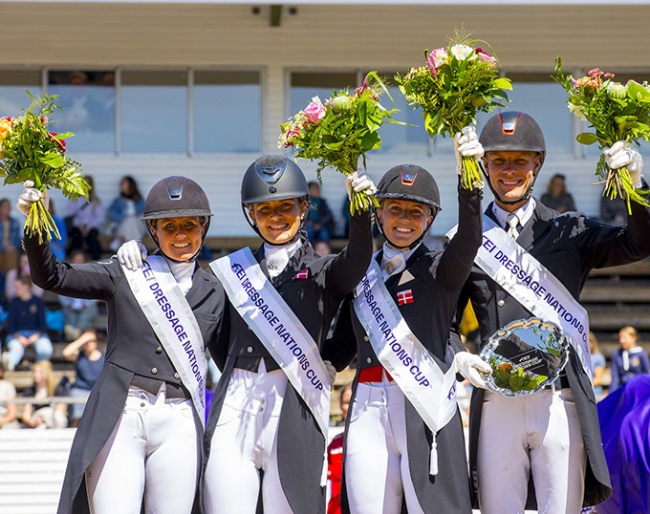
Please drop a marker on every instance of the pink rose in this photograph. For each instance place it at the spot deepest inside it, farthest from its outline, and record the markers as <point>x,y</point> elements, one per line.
<point>315,111</point>
<point>437,58</point>
<point>484,56</point>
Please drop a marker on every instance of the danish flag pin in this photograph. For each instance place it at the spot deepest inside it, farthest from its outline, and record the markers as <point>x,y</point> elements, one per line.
<point>301,275</point>
<point>404,297</point>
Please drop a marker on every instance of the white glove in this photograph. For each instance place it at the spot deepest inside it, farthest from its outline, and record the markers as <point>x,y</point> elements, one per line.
<point>29,196</point>
<point>131,254</point>
<point>331,371</point>
<point>358,182</point>
<point>473,368</point>
<point>622,154</point>
<point>466,144</point>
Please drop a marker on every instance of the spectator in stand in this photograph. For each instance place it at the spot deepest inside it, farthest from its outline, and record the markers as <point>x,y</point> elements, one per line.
<point>322,248</point>
<point>125,213</point>
<point>79,314</point>
<point>10,231</point>
<point>26,324</point>
<point>8,408</point>
<point>613,212</point>
<point>629,360</point>
<point>320,220</point>
<point>19,270</point>
<point>557,197</point>
<point>335,455</point>
<point>41,413</point>
<point>89,360</point>
<point>85,219</point>
<point>599,364</point>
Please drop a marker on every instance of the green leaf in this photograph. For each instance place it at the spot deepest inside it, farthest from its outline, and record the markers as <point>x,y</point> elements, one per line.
<point>53,160</point>
<point>587,138</point>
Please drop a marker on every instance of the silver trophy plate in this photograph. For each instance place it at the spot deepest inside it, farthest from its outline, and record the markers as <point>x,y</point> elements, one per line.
<point>525,356</point>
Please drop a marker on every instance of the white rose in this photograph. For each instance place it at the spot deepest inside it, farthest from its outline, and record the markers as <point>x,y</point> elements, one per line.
<point>462,52</point>
<point>577,111</point>
<point>616,90</point>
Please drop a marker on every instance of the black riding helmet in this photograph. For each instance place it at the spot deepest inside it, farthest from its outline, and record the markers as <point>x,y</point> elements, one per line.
<point>269,178</point>
<point>411,183</point>
<point>513,131</point>
<point>177,197</point>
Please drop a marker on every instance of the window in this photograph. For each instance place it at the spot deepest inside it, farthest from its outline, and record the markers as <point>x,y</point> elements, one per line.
<point>154,111</point>
<point>88,102</point>
<point>227,111</point>
<point>13,87</point>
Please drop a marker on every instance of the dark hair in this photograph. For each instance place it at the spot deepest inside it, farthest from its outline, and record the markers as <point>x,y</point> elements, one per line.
<point>92,195</point>
<point>550,183</point>
<point>134,191</point>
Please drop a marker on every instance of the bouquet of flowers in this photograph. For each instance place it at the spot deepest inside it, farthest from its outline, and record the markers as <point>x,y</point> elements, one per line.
<point>457,82</point>
<point>340,131</point>
<point>29,151</point>
<point>616,112</point>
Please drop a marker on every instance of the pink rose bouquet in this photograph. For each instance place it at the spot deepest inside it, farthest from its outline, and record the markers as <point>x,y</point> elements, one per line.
<point>341,131</point>
<point>456,82</point>
<point>616,112</point>
<point>30,151</point>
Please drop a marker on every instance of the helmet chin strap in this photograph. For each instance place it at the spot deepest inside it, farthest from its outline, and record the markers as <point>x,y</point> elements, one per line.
<point>406,247</point>
<point>526,196</point>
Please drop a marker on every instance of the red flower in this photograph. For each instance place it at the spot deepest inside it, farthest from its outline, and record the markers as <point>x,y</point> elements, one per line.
<point>60,142</point>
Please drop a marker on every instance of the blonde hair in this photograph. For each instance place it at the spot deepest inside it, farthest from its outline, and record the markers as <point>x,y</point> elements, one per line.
<point>631,331</point>
<point>50,378</point>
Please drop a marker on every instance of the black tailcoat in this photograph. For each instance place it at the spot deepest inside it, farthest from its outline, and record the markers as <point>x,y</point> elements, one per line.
<point>569,245</point>
<point>435,280</point>
<point>315,301</point>
<point>132,347</point>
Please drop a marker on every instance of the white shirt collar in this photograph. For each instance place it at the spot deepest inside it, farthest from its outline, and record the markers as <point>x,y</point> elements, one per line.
<point>277,257</point>
<point>183,273</point>
<point>524,213</point>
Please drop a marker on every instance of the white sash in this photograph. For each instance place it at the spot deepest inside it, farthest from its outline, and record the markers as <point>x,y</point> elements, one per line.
<point>171,317</point>
<point>432,392</point>
<point>533,286</point>
<point>278,328</point>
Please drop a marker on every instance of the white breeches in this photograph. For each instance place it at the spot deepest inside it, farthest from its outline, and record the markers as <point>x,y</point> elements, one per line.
<point>153,451</point>
<point>244,443</point>
<point>538,434</point>
<point>377,472</point>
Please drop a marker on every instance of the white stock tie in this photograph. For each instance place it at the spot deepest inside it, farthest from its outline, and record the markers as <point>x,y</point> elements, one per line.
<point>512,220</point>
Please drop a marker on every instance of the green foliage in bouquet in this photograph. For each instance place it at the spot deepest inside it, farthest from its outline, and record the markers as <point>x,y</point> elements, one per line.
<point>514,378</point>
<point>30,151</point>
<point>615,112</point>
<point>457,82</point>
<point>341,131</point>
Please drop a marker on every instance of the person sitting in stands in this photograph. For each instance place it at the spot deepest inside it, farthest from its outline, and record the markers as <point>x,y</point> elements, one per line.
<point>41,413</point>
<point>26,325</point>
